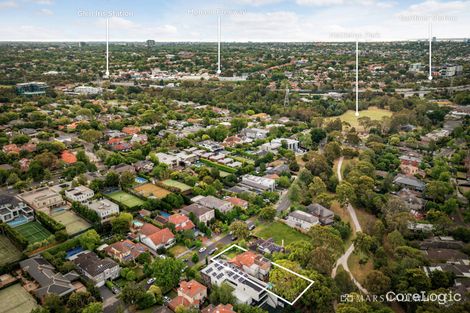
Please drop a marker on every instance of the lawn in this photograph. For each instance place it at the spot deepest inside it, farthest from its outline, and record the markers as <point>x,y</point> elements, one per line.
<point>8,251</point>
<point>151,190</point>
<point>360,271</point>
<point>15,299</point>
<point>73,223</point>
<point>178,249</point>
<point>279,231</point>
<point>373,113</point>
<point>176,184</point>
<point>33,231</point>
<point>127,199</point>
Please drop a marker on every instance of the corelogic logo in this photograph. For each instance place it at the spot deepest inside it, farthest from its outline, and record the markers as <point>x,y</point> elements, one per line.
<point>440,298</point>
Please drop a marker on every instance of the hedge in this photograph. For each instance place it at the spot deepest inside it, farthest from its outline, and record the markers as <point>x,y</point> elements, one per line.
<point>48,222</point>
<point>85,212</point>
<point>15,236</point>
<point>219,166</point>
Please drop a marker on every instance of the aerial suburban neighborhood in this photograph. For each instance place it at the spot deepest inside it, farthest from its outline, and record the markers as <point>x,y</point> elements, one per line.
<point>150,176</point>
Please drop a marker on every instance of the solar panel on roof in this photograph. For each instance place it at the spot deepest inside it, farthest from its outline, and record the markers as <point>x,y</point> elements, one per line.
<point>220,275</point>
<point>209,270</point>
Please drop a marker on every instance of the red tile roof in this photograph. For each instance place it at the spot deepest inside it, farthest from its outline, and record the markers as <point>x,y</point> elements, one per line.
<point>148,229</point>
<point>68,157</point>
<point>162,236</point>
<point>192,288</point>
<point>179,220</point>
<point>228,308</point>
<point>178,301</point>
<point>237,201</point>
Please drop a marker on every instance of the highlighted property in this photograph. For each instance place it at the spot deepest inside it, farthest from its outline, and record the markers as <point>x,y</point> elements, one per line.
<point>248,273</point>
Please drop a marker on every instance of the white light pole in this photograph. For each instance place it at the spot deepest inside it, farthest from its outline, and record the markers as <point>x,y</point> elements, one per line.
<point>430,51</point>
<point>218,46</point>
<point>107,49</point>
<point>357,78</point>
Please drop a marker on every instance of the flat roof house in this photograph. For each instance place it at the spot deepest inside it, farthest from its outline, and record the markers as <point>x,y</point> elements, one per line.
<point>203,214</point>
<point>80,193</point>
<point>42,199</point>
<point>246,288</point>
<point>301,220</point>
<point>258,183</point>
<point>96,269</point>
<point>12,211</point>
<point>48,279</point>
<point>104,207</point>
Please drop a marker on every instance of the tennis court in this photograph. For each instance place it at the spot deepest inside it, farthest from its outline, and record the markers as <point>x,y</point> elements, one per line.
<point>8,251</point>
<point>15,299</point>
<point>176,184</point>
<point>33,231</point>
<point>127,199</point>
<point>73,223</point>
<point>151,190</point>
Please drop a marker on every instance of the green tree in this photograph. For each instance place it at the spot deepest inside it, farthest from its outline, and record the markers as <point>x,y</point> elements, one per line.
<point>239,229</point>
<point>121,223</point>
<point>89,240</point>
<point>377,282</point>
<point>222,294</point>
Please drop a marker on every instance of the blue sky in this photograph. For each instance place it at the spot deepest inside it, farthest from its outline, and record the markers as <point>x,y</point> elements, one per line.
<point>242,20</point>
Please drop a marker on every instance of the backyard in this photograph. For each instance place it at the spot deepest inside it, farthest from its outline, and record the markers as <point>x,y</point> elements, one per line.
<point>33,231</point>
<point>151,190</point>
<point>373,113</point>
<point>176,184</point>
<point>279,231</point>
<point>73,223</point>
<point>15,299</point>
<point>8,251</point>
<point>127,199</point>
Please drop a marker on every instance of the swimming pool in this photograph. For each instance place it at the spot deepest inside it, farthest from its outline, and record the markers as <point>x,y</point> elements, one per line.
<point>141,180</point>
<point>137,223</point>
<point>164,214</point>
<point>20,220</point>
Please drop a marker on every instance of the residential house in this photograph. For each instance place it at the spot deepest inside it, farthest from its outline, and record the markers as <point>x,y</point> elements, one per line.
<point>258,183</point>
<point>246,288</point>
<point>221,308</point>
<point>13,211</point>
<point>122,168</point>
<point>237,202</point>
<point>203,214</point>
<point>412,199</point>
<point>156,238</point>
<point>96,269</point>
<point>144,166</point>
<point>302,220</point>
<point>49,281</point>
<point>252,263</point>
<point>42,199</point>
<point>181,222</point>
<point>125,250</point>
<point>266,246</point>
<point>324,215</point>
<point>68,157</point>
<point>104,207</point>
<point>190,295</point>
<point>291,144</point>
<point>409,182</point>
<point>409,164</point>
<point>80,193</point>
<point>254,133</point>
<point>441,242</point>
<point>214,203</point>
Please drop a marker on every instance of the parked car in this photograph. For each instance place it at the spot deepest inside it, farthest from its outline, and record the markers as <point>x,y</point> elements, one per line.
<point>251,225</point>
<point>150,280</point>
<point>166,299</point>
<point>202,249</point>
<point>233,237</point>
<point>213,251</point>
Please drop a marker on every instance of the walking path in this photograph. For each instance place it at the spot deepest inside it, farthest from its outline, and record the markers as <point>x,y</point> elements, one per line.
<point>343,260</point>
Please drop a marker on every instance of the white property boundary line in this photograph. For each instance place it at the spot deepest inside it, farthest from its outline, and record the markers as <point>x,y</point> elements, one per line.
<point>265,288</point>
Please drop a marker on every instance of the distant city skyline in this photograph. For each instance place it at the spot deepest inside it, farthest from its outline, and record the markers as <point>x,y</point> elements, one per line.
<point>242,20</point>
